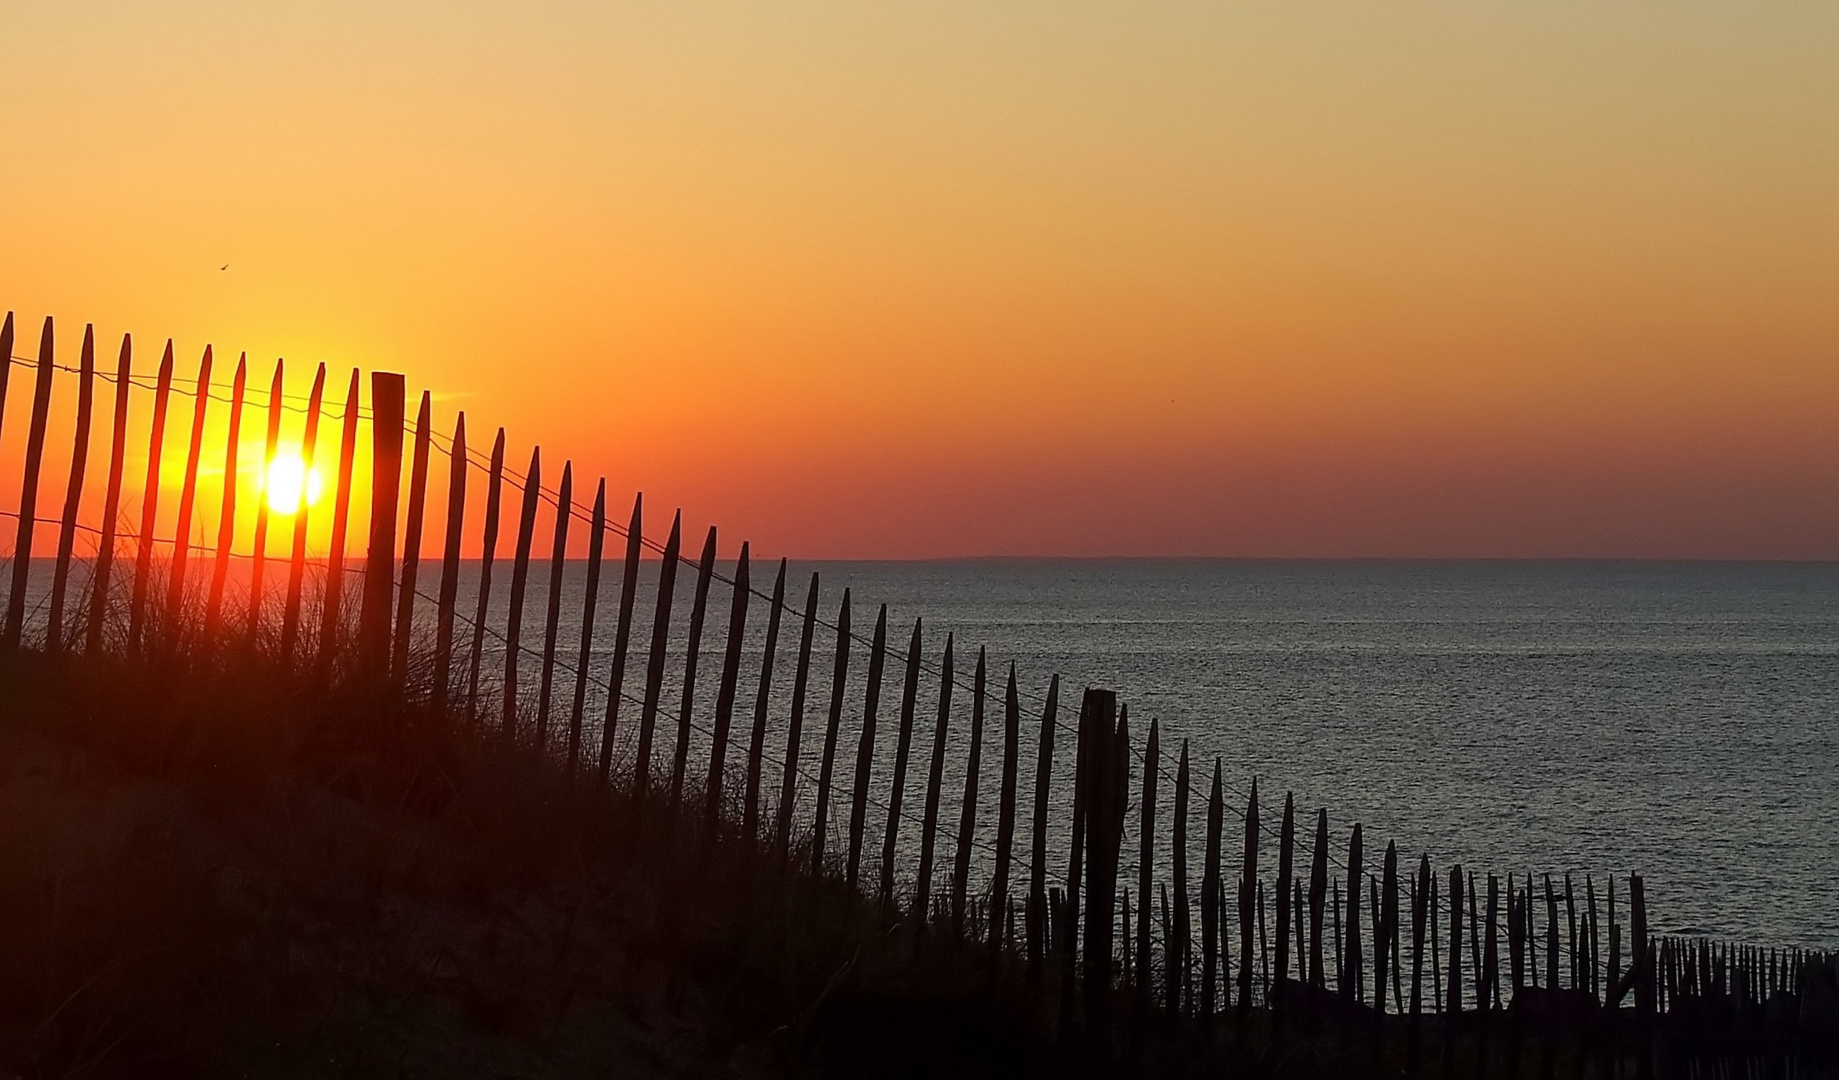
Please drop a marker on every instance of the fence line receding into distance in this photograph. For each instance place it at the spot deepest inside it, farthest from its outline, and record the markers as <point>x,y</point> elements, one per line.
<point>777,724</point>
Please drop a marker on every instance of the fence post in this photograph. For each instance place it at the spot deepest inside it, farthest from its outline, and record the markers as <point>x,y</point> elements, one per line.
<point>1248,879</point>
<point>724,694</point>
<point>865,748</point>
<point>387,394</point>
<point>111,501</point>
<point>149,502</point>
<point>226,515</point>
<point>552,611</point>
<point>622,635</point>
<point>488,550</point>
<point>692,652</point>
<point>520,577</point>
<point>820,828</point>
<point>259,550</point>
<point>596,539</point>
<point>1105,775</point>
<point>1210,907</point>
<point>902,746</point>
<point>341,523</point>
<point>28,494</point>
<point>309,457</point>
<point>654,658</point>
<point>411,538</point>
<point>794,732</point>
<point>73,493</point>
<point>1037,883</point>
<point>1005,815</point>
<point>1181,963</point>
<point>922,888</point>
<point>188,497</point>
<point>756,743</point>
<point>6,368</point>
<point>450,564</point>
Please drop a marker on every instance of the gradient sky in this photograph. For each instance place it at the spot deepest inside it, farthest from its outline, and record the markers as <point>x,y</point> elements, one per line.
<point>1297,279</point>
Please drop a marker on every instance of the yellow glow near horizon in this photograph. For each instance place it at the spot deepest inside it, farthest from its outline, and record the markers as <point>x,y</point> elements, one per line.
<point>289,483</point>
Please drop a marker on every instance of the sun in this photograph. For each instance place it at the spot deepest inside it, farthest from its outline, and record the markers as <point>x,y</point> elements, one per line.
<point>289,484</point>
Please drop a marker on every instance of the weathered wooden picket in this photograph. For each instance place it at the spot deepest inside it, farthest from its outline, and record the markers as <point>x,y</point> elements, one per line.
<point>1331,955</point>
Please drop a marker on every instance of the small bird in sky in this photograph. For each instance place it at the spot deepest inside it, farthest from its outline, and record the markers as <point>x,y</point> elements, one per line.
<point>225,266</point>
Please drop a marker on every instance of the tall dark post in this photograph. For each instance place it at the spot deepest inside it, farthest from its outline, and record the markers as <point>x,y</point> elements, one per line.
<point>520,577</point>
<point>28,494</point>
<point>387,393</point>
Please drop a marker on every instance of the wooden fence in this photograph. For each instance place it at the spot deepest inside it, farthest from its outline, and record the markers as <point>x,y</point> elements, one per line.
<point>1075,875</point>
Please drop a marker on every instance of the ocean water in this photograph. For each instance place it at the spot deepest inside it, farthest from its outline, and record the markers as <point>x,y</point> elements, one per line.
<point>1680,721</point>
<point>1676,720</point>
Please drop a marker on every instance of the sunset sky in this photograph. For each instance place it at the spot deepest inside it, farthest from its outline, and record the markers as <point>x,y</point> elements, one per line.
<point>1297,279</point>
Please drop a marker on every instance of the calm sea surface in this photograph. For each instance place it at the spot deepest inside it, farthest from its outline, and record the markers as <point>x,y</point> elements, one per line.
<point>1676,720</point>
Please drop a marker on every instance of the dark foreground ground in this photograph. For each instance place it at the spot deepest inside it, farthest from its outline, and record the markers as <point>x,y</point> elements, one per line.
<point>239,876</point>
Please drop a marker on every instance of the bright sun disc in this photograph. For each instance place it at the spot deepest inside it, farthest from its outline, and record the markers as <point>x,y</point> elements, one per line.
<point>290,484</point>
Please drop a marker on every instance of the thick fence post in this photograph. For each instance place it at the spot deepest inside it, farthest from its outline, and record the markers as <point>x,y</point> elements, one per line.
<point>111,501</point>
<point>28,494</point>
<point>73,492</point>
<point>387,404</point>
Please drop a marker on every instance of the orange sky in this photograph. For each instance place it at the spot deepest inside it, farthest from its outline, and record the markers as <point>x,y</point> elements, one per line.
<point>997,278</point>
